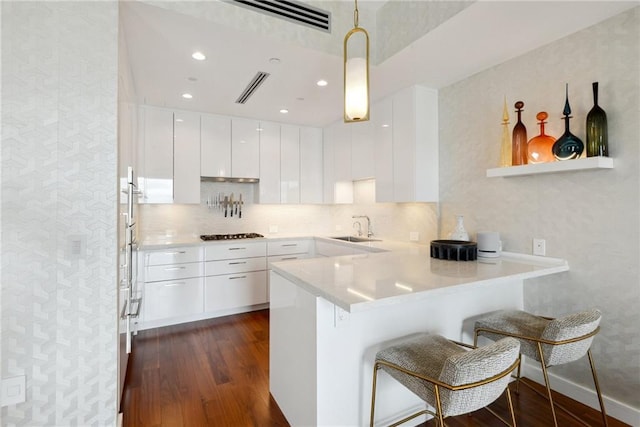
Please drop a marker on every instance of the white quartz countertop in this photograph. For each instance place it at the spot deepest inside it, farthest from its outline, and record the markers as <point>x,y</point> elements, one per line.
<point>366,281</point>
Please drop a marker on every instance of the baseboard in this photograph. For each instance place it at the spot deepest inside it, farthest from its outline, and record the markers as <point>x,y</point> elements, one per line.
<point>119,421</point>
<point>614,408</point>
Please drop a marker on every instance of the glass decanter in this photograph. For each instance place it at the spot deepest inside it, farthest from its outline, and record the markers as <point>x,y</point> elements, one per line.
<point>519,139</point>
<point>539,148</point>
<point>568,146</point>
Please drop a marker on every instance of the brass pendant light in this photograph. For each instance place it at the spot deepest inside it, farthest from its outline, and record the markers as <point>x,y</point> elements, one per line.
<point>356,73</point>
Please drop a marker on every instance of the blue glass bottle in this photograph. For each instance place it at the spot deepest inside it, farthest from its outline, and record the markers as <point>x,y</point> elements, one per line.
<point>568,146</point>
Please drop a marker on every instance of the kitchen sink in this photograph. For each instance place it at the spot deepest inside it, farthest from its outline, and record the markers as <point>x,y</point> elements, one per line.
<point>356,239</point>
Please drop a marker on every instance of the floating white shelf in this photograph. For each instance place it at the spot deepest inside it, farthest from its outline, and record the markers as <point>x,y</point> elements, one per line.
<point>553,167</point>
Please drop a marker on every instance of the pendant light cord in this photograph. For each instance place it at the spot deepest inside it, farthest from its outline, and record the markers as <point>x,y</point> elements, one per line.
<point>355,15</point>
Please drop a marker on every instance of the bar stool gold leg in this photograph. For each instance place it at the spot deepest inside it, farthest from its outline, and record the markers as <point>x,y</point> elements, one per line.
<point>598,392</point>
<point>546,383</point>
<point>373,393</point>
<point>513,415</point>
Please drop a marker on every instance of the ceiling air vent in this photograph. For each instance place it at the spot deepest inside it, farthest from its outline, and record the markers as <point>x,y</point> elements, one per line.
<point>291,11</point>
<point>253,85</point>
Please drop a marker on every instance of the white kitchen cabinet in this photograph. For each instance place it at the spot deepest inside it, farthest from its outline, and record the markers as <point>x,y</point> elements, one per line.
<point>415,145</point>
<point>245,148</point>
<point>362,150</point>
<point>289,164</point>
<point>238,249</point>
<point>215,146</point>
<point>173,299</point>
<point>232,266</point>
<point>158,155</point>
<point>382,119</point>
<point>287,247</point>
<point>173,255</point>
<point>311,165</point>
<point>233,291</point>
<point>186,157</point>
<point>269,163</point>
<point>338,181</point>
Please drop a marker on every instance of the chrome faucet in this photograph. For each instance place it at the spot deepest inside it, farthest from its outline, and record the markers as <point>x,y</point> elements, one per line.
<point>369,231</point>
<point>359,227</point>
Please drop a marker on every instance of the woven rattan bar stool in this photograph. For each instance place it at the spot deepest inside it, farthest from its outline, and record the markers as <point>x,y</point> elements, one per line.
<point>452,378</point>
<point>549,341</point>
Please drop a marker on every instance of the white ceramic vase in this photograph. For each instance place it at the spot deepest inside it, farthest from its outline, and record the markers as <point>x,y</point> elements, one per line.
<point>459,233</point>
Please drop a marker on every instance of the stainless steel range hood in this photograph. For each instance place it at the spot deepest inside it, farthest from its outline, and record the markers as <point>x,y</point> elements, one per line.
<point>229,179</point>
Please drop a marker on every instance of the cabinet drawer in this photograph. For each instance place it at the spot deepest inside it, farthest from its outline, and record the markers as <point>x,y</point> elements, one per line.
<point>288,247</point>
<point>235,290</point>
<point>173,256</point>
<point>286,258</point>
<point>156,273</point>
<point>173,298</point>
<point>230,266</point>
<point>233,250</point>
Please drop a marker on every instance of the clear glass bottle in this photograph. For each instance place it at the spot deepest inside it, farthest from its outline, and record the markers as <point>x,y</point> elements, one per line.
<point>505,145</point>
<point>597,138</point>
<point>539,148</point>
<point>519,139</point>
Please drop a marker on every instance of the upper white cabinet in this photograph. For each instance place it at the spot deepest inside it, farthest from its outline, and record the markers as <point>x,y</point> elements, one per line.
<point>157,140</point>
<point>310,165</point>
<point>186,158</point>
<point>289,164</point>
<point>382,119</point>
<point>245,148</point>
<point>412,160</point>
<point>338,179</point>
<point>362,149</point>
<point>269,163</point>
<point>215,146</point>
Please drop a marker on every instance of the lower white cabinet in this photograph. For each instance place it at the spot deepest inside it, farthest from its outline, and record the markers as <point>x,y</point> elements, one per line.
<point>237,290</point>
<point>173,299</point>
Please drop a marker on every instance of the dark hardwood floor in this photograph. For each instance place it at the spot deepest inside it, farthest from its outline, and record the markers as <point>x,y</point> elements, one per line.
<point>216,373</point>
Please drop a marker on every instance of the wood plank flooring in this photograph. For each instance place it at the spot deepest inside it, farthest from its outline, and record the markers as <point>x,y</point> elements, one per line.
<point>216,373</point>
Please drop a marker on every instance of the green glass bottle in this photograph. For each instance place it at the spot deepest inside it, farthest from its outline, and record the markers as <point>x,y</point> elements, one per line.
<point>597,140</point>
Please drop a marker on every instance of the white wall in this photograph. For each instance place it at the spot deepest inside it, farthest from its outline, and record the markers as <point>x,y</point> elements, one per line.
<point>590,218</point>
<point>59,86</point>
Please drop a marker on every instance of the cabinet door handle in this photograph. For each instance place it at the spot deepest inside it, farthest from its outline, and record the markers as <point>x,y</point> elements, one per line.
<point>174,268</point>
<point>288,258</point>
<point>237,277</point>
<point>172,285</point>
<point>290,244</point>
<point>237,249</point>
<point>175,253</point>
<point>237,262</point>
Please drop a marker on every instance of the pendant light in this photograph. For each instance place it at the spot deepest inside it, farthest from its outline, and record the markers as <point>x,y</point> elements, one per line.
<point>356,72</point>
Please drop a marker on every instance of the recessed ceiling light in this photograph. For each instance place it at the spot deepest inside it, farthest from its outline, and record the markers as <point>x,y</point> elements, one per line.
<point>187,95</point>
<point>179,120</point>
<point>199,56</point>
<point>259,129</point>
<point>300,99</point>
<point>284,111</point>
<point>192,79</point>
<point>274,60</point>
<point>322,83</point>
<point>385,126</point>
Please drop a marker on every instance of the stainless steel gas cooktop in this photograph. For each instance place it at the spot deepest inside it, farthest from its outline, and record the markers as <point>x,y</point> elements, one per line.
<point>230,236</point>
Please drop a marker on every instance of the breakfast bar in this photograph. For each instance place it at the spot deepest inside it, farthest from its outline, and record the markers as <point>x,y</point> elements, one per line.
<point>329,316</point>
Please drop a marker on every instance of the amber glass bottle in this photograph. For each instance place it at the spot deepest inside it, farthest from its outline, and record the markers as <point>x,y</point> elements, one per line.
<point>539,148</point>
<point>519,139</point>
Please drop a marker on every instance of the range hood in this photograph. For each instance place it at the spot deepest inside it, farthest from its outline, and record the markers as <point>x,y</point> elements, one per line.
<point>229,179</point>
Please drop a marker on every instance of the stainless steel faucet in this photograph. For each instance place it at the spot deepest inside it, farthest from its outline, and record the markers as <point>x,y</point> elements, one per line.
<point>359,227</point>
<point>369,230</point>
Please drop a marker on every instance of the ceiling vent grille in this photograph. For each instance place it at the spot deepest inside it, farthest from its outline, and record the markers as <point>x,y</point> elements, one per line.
<point>291,11</point>
<point>253,85</point>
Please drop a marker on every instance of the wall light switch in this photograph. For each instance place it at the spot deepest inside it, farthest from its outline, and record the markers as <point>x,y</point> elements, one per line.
<point>414,236</point>
<point>13,390</point>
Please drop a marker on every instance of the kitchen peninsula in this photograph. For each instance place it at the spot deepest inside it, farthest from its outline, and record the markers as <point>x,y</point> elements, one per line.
<point>329,316</point>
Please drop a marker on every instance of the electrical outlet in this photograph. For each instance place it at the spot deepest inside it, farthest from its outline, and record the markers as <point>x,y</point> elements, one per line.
<point>13,390</point>
<point>539,247</point>
<point>414,236</point>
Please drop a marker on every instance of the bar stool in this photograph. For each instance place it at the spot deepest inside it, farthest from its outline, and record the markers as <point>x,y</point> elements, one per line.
<point>549,341</point>
<point>450,378</point>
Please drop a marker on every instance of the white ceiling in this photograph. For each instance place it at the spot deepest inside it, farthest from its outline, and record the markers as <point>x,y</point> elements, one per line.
<point>160,43</point>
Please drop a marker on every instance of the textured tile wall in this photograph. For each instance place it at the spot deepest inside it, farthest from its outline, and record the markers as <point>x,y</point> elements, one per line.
<point>59,81</point>
<point>587,217</point>
<point>389,220</point>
